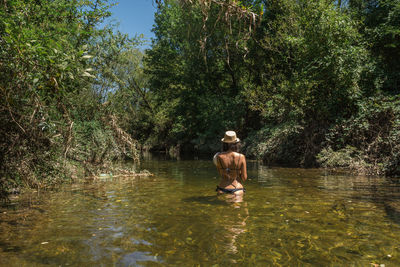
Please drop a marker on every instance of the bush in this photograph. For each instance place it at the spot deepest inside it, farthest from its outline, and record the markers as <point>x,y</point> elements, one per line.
<point>368,142</point>
<point>346,158</point>
<point>276,144</point>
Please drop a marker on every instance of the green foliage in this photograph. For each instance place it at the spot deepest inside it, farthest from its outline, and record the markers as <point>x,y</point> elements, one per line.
<point>315,81</point>
<point>345,158</point>
<point>196,85</point>
<point>39,63</point>
<point>51,105</point>
<point>382,19</point>
<point>309,68</point>
<point>374,136</point>
<point>280,144</point>
<point>307,63</point>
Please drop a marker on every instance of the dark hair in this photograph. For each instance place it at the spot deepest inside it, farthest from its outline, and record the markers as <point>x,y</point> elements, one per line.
<point>230,146</point>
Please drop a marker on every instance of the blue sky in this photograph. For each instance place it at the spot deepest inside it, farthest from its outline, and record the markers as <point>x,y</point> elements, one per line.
<point>135,17</point>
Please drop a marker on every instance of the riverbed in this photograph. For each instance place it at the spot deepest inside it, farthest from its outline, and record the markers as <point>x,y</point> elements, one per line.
<point>287,217</point>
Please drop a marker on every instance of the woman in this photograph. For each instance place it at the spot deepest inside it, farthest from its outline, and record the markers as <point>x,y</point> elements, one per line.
<point>231,166</point>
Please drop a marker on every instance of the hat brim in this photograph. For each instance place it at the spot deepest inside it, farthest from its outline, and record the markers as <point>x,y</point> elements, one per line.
<point>230,142</point>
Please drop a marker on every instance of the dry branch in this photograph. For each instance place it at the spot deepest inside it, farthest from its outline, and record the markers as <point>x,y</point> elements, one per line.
<point>123,138</point>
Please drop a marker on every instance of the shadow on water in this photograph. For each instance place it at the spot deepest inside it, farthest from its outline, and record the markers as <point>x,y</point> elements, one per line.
<point>392,202</point>
<point>7,247</point>
<point>392,210</point>
<point>387,195</point>
<point>211,200</point>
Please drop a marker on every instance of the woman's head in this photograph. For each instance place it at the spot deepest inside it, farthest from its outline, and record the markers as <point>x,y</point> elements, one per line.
<point>230,142</point>
<point>230,147</point>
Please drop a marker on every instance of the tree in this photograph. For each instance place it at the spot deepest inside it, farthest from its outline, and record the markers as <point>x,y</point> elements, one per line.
<point>49,106</point>
<point>307,59</point>
<point>196,82</point>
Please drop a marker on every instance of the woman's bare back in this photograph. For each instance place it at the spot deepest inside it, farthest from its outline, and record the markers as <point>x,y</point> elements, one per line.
<point>232,168</point>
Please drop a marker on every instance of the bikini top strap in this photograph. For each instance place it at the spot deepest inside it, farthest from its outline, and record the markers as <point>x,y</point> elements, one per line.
<point>237,165</point>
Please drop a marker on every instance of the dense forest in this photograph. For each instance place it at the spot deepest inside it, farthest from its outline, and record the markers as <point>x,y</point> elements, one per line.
<point>304,83</point>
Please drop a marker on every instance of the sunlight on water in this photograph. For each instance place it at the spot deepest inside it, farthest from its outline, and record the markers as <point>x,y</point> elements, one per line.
<point>288,217</point>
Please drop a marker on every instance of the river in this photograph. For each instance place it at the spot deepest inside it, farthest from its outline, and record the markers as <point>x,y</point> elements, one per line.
<point>288,217</point>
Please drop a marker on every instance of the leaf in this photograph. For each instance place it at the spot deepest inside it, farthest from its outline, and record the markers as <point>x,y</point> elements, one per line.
<point>87,74</point>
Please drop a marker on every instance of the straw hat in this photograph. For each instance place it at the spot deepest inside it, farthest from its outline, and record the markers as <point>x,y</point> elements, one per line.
<point>230,137</point>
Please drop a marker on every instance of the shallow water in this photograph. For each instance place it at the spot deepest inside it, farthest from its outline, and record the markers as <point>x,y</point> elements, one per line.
<point>288,217</point>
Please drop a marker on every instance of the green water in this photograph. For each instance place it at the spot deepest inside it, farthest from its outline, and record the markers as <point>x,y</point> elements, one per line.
<point>288,217</point>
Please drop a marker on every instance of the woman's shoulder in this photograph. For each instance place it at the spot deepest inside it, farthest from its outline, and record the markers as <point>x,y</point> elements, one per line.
<point>240,157</point>
<point>223,155</point>
<point>217,155</point>
<point>238,154</point>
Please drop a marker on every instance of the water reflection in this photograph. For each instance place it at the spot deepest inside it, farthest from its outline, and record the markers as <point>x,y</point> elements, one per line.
<point>235,225</point>
<point>209,200</point>
<point>232,198</point>
<point>340,188</point>
<point>136,258</point>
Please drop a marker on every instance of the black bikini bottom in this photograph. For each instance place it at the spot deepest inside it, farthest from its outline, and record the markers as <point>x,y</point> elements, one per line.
<point>229,191</point>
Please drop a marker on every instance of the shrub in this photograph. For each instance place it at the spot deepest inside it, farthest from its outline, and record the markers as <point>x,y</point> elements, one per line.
<point>369,141</point>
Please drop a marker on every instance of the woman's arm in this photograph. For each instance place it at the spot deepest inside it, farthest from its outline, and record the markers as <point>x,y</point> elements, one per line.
<point>217,162</point>
<point>243,169</point>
